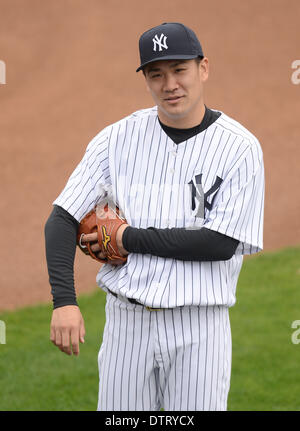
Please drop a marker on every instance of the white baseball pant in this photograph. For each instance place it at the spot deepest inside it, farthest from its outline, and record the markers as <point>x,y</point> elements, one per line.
<point>175,359</point>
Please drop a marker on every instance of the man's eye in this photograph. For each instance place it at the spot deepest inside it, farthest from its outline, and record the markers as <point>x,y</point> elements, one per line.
<point>179,70</point>
<point>155,76</point>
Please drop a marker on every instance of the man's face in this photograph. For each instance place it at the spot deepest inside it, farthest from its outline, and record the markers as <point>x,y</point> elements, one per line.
<point>177,89</point>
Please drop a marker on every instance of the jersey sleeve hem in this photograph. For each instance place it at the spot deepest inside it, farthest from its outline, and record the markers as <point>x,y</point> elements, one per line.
<point>66,208</point>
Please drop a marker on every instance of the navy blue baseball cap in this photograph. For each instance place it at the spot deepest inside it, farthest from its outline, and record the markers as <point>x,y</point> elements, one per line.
<point>168,41</point>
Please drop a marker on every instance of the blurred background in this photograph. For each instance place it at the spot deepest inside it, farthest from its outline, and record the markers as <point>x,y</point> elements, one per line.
<point>70,71</point>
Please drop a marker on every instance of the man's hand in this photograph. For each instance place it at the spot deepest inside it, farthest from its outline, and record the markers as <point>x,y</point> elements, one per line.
<point>93,239</point>
<point>67,329</point>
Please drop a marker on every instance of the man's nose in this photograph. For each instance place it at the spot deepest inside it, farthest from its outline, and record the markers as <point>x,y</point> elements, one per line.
<point>170,83</point>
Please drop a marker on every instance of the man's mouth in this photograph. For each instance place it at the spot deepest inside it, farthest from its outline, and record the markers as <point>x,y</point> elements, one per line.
<point>173,99</point>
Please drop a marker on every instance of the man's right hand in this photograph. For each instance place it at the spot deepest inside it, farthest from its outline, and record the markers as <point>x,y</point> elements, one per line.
<point>67,329</point>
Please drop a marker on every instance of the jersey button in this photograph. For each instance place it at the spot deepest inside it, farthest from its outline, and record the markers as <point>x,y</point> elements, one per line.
<point>172,170</point>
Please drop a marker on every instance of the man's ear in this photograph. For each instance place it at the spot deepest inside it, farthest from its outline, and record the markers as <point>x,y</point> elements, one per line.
<point>147,86</point>
<point>204,69</point>
<point>144,74</point>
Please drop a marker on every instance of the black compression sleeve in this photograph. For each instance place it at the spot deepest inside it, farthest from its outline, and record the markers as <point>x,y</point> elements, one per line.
<point>60,240</point>
<point>179,243</point>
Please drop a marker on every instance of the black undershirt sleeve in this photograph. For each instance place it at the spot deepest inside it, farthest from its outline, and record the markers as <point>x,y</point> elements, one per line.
<point>179,243</point>
<point>60,240</point>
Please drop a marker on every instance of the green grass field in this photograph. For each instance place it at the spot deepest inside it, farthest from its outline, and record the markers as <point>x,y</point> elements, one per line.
<point>34,375</point>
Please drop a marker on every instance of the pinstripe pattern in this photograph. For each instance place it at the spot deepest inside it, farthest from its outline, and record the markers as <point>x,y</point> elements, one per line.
<point>183,360</point>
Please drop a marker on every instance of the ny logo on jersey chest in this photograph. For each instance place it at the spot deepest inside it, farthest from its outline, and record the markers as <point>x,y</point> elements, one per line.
<point>197,193</point>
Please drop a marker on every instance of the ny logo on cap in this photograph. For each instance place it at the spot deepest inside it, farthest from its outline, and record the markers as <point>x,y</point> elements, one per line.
<point>160,42</point>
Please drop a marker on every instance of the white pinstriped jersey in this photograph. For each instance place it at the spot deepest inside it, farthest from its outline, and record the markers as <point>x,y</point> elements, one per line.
<point>214,179</point>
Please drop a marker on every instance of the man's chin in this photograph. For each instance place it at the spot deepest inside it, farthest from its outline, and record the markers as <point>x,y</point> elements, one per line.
<point>175,113</point>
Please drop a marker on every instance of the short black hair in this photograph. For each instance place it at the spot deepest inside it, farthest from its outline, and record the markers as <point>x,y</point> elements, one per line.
<point>197,59</point>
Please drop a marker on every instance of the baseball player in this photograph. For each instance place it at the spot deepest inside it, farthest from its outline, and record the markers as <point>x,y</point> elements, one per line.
<point>190,182</point>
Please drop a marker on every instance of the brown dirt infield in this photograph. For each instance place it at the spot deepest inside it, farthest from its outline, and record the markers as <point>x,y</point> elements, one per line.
<point>70,71</point>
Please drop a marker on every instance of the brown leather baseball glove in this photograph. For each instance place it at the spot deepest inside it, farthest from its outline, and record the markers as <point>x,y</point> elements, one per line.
<point>105,220</point>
